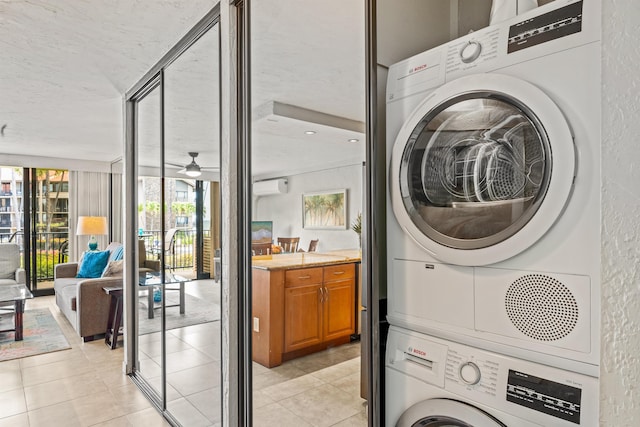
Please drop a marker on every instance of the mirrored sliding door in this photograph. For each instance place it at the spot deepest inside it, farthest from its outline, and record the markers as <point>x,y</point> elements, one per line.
<point>175,277</point>
<point>148,298</point>
<point>192,295</point>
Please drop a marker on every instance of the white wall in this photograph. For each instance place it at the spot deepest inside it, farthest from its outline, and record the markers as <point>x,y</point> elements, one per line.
<point>620,340</point>
<point>285,210</point>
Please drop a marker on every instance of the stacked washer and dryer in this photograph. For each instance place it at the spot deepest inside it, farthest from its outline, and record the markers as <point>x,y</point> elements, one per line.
<point>494,225</point>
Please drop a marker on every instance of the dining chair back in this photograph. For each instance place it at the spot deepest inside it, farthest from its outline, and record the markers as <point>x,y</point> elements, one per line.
<point>288,244</point>
<point>313,245</point>
<point>260,249</point>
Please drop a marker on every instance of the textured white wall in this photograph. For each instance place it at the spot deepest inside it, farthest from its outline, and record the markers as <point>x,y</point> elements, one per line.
<point>620,367</point>
<point>285,210</point>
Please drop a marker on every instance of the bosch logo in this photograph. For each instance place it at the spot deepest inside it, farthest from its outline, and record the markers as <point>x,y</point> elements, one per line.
<point>420,352</point>
<point>418,68</point>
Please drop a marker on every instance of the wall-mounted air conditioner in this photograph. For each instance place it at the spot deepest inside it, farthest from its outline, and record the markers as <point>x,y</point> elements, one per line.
<point>270,187</point>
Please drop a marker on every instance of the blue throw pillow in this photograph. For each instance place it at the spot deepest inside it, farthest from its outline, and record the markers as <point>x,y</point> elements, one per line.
<point>93,263</point>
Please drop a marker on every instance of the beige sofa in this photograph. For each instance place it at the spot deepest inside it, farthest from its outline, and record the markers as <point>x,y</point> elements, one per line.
<point>84,301</point>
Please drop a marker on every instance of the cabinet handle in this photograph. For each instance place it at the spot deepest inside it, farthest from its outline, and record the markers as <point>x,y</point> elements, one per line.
<point>326,293</point>
<point>304,277</point>
<point>321,294</point>
<point>337,273</point>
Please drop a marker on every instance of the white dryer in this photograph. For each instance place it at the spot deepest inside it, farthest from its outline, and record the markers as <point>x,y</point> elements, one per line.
<point>494,187</point>
<point>434,382</point>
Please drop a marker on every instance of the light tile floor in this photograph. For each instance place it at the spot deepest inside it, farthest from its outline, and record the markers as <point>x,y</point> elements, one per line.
<point>82,386</point>
<point>85,386</point>
<point>322,389</point>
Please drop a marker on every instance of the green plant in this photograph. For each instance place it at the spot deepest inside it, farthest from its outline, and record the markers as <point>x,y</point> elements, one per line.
<point>356,225</point>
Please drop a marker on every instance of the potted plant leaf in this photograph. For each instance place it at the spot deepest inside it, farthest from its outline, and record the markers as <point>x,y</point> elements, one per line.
<point>356,226</point>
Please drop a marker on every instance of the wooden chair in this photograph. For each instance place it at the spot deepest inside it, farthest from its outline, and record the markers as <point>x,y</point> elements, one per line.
<point>260,249</point>
<point>288,244</point>
<point>313,245</point>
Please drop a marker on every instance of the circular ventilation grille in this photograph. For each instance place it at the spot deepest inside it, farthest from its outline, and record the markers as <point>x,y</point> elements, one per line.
<point>541,307</point>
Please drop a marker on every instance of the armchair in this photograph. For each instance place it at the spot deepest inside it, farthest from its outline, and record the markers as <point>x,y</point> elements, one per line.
<point>10,271</point>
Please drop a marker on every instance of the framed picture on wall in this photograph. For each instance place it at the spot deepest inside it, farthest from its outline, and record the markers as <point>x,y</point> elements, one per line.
<point>325,210</point>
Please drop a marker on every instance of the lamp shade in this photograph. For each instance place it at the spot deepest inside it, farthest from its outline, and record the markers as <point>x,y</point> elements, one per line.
<point>91,225</point>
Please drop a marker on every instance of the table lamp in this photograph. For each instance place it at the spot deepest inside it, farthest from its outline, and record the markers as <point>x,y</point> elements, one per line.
<point>92,226</point>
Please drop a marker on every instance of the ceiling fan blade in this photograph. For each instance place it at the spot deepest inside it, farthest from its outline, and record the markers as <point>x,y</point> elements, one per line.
<point>174,164</point>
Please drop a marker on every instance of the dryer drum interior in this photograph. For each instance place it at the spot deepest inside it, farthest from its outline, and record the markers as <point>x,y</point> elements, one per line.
<point>475,170</point>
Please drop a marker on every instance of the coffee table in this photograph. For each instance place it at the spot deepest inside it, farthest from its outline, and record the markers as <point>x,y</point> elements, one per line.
<point>17,294</point>
<point>151,281</point>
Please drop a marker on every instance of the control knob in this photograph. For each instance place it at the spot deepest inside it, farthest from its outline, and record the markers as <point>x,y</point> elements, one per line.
<point>470,51</point>
<point>470,373</point>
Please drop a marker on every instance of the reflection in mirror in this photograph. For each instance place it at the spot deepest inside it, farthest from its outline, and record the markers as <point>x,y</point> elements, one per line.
<point>192,236</point>
<point>149,216</point>
<point>307,148</point>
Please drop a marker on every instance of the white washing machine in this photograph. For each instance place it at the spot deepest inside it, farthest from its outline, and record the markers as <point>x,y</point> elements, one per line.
<point>433,382</point>
<point>494,187</point>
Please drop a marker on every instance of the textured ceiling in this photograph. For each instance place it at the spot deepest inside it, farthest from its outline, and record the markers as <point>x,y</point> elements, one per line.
<point>65,66</point>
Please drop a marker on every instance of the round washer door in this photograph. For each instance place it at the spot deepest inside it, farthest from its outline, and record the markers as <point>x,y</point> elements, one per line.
<point>481,169</point>
<point>446,413</point>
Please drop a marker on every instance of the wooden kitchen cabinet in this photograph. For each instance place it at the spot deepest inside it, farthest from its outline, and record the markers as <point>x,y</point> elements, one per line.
<point>318,312</point>
<point>303,317</point>
<point>339,301</point>
<point>339,313</point>
<point>298,311</point>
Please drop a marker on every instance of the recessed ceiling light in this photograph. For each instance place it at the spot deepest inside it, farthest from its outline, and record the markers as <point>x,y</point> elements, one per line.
<point>310,132</point>
<point>353,140</point>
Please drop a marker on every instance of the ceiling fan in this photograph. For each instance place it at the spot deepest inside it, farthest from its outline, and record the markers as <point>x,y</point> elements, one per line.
<point>192,169</point>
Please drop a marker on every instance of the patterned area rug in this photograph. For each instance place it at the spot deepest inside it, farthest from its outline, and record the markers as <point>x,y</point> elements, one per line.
<point>197,311</point>
<point>41,335</point>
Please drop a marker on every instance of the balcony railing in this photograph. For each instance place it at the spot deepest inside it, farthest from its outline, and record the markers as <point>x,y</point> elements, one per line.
<point>51,249</point>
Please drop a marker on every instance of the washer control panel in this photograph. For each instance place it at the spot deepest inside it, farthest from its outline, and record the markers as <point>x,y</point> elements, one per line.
<point>470,373</point>
<point>542,394</point>
<point>473,50</point>
<point>471,370</point>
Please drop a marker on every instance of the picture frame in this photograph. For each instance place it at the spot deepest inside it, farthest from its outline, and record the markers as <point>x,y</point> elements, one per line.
<point>325,210</point>
<point>261,232</point>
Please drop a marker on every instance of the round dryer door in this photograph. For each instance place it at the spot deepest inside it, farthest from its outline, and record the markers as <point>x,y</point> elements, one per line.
<point>481,169</point>
<point>446,413</point>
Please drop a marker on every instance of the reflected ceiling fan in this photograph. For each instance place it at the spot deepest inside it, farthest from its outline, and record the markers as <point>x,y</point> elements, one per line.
<point>192,169</point>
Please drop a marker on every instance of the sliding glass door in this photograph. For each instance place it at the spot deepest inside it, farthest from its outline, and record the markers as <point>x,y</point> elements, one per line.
<point>34,207</point>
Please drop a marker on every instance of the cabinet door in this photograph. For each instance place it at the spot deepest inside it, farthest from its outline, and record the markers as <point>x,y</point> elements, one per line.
<point>303,317</point>
<point>339,308</point>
